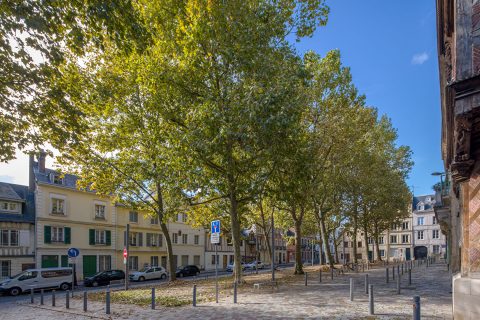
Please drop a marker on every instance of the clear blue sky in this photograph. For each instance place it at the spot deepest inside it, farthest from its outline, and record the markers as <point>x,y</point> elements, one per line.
<point>391,49</point>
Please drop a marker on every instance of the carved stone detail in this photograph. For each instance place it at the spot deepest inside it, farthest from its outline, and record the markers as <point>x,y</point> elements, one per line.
<point>462,163</point>
<point>448,61</point>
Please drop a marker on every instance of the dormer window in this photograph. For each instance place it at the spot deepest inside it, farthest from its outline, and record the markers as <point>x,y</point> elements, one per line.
<point>57,179</point>
<point>420,206</point>
<point>10,207</point>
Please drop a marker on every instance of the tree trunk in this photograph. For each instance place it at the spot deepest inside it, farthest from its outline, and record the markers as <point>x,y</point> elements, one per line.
<point>168,242</point>
<point>298,247</point>
<point>354,237</point>
<point>323,231</point>
<point>375,239</point>
<point>265,232</point>
<point>365,229</point>
<point>235,224</point>
<point>337,261</point>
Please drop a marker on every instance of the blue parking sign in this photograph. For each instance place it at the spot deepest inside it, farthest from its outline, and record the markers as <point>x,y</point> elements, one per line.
<point>73,252</point>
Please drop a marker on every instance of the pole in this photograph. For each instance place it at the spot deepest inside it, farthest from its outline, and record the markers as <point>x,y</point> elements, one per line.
<point>351,289</point>
<point>320,276</point>
<point>370,300</point>
<point>409,276</point>
<point>235,292</point>
<point>398,284</point>
<point>416,308</point>
<point>41,297</point>
<point>73,275</point>
<point>194,300</point>
<point>273,249</point>
<point>386,269</point>
<point>306,279</point>
<point>84,301</point>
<point>107,301</point>
<point>127,245</point>
<point>312,252</point>
<point>153,298</point>
<point>216,274</point>
<point>257,255</point>
<point>366,283</point>
<point>67,300</point>
<point>31,295</point>
<point>53,298</point>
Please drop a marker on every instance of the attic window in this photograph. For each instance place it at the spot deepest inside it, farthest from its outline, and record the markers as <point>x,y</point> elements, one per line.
<point>57,179</point>
<point>9,206</point>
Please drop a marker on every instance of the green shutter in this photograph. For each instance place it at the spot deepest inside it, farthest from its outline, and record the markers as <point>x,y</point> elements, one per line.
<point>64,261</point>
<point>108,237</point>
<point>68,237</point>
<point>47,233</point>
<point>91,237</point>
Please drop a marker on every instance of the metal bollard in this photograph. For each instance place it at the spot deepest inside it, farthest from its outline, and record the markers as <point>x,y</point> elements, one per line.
<point>53,298</point>
<point>416,308</point>
<point>107,300</point>
<point>393,273</point>
<point>67,299</point>
<point>234,292</point>
<point>84,301</point>
<point>331,273</point>
<point>386,271</point>
<point>370,300</point>
<point>194,300</point>
<point>31,296</point>
<point>306,278</point>
<point>402,268</point>
<point>409,277</point>
<point>320,276</point>
<point>448,267</point>
<point>363,267</point>
<point>351,289</point>
<point>398,284</point>
<point>153,298</point>
<point>41,297</point>
<point>398,270</point>
<point>366,283</point>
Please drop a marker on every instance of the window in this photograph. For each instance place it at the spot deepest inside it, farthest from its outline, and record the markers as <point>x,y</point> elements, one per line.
<point>405,238</point>
<point>9,238</point>
<point>404,225</point>
<point>28,275</point>
<point>196,239</point>
<point>153,240</point>
<point>5,268</point>
<point>420,235</point>
<point>104,263</point>
<point>380,240</point>
<point>345,244</point>
<point>184,238</point>
<point>394,226</point>
<point>133,263</point>
<point>57,179</point>
<point>382,253</point>
<point>434,220</point>
<point>196,260</point>
<point>435,234</point>
<point>420,221</point>
<point>154,261</point>
<point>133,216</point>
<point>436,248</point>
<point>154,220</point>
<point>175,238</point>
<point>184,260</point>
<point>420,206</point>
<point>57,234</point>
<point>359,245</point>
<point>100,237</point>
<point>58,206</point>
<point>136,239</point>
<point>184,217</point>
<point>56,273</point>
<point>370,240</point>
<point>9,206</point>
<point>100,211</point>
<point>213,259</point>
<point>393,239</point>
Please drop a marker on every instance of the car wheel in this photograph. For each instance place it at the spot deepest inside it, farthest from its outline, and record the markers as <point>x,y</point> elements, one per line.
<point>141,279</point>
<point>64,286</point>
<point>95,284</point>
<point>15,291</point>
<point>163,276</point>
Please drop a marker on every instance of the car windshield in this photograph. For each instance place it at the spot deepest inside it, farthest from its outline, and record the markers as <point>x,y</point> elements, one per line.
<point>18,275</point>
<point>144,269</point>
<point>98,274</point>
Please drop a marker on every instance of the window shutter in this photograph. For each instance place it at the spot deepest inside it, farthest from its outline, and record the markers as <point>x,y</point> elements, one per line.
<point>108,237</point>
<point>91,237</point>
<point>47,233</point>
<point>149,239</point>
<point>67,235</point>
<point>140,239</point>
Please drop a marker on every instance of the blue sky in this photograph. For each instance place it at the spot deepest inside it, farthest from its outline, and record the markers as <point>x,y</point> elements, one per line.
<point>391,49</point>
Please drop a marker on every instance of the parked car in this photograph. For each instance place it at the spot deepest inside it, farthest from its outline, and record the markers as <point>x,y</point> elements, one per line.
<point>231,266</point>
<point>253,265</point>
<point>148,273</point>
<point>187,271</point>
<point>103,278</point>
<point>43,278</point>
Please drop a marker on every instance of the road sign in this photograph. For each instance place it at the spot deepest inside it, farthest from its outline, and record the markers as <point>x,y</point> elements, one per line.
<point>125,253</point>
<point>73,252</point>
<point>215,232</point>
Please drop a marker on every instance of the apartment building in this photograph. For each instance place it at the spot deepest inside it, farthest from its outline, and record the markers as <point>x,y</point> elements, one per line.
<point>17,227</point>
<point>225,253</point>
<point>429,240</point>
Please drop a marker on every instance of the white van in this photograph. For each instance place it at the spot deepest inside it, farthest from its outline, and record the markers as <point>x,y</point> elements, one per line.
<point>37,279</point>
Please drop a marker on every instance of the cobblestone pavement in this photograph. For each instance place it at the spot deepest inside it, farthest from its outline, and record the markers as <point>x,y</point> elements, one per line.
<point>327,300</point>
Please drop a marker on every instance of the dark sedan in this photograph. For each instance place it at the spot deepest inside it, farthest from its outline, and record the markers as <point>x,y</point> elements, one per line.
<point>187,271</point>
<point>103,278</point>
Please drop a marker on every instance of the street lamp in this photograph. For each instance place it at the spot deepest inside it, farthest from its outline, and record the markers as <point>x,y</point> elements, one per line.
<point>441,174</point>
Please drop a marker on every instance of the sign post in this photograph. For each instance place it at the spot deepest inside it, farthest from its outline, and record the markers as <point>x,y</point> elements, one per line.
<point>125,254</point>
<point>73,253</point>
<point>215,240</point>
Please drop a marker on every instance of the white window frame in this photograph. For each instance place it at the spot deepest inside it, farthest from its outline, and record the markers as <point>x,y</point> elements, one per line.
<point>104,262</point>
<point>134,239</point>
<point>58,197</point>
<point>9,234</point>
<point>405,225</point>
<point>154,220</point>
<point>6,206</point>
<point>175,238</point>
<point>436,251</point>
<point>184,238</point>
<point>436,234</point>
<point>57,234</point>
<point>422,219</point>
<point>100,237</point>
<point>405,236</point>
<point>420,235</point>
<point>196,239</point>
<point>134,214</point>
<point>98,214</point>
<point>394,237</point>
<point>381,240</point>
<point>434,220</point>
<point>5,268</point>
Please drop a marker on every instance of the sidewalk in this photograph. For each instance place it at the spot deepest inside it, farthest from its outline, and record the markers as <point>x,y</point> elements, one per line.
<point>328,300</point>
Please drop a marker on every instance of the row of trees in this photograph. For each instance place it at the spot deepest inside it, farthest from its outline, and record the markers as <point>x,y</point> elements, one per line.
<point>205,107</point>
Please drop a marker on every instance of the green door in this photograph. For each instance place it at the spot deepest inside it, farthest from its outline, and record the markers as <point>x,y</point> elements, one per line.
<point>89,265</point>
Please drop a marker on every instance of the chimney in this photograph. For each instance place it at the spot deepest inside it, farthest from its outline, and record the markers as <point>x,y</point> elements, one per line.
<point>41,161</point>
<point>31,174</point>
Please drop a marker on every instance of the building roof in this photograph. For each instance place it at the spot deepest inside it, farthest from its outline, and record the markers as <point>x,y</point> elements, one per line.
<point>69,180</point>
<point>18,193</point>
<point>424,199</point>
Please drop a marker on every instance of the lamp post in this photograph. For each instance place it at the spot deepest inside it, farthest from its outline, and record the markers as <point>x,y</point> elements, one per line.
<point>441,174</point>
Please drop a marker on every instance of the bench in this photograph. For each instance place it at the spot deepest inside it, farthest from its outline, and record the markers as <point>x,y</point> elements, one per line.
<point>266,284</point>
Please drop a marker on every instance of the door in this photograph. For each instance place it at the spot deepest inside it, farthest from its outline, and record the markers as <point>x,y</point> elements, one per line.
<point>408,255</point>
<point>89,266</point>
<point>420,252</point>
<point>30,280</point>
<point>164,262</point>
<point>224,261</point>
<point>370,255</point>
